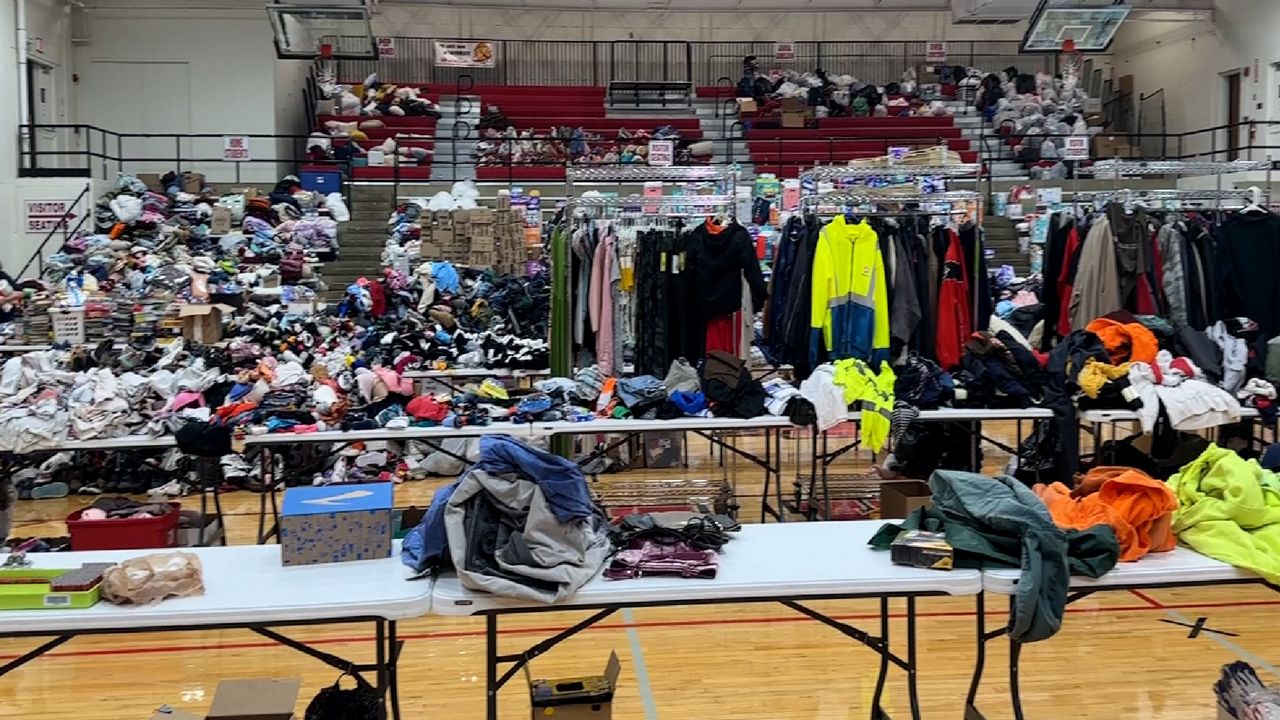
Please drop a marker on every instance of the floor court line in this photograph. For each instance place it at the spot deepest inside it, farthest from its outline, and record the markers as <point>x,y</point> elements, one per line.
<point>638,664</point>
<point>446,634</point>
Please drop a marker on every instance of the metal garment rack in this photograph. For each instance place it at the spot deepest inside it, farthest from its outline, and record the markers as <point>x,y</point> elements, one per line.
<point>1117,169</point>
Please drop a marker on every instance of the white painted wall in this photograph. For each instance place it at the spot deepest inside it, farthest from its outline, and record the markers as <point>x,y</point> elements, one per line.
<point>1189,60</point>
<point>198,70</point>
<point>9,122</point>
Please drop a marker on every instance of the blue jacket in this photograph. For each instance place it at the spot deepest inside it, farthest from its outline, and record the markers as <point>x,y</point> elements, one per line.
<point>561,482</point>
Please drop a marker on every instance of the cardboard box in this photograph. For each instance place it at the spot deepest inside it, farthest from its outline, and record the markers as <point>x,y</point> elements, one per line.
<point>927,74</point>
<point>504,201</point>
<point>1112,146</point>
<point>748,105</point>
<point>461,217</point>
<point>793,104</point>
<point>335,523</point>
<point>193,182</point>
<point>220,220</point>
<point>580,698</point>
<point>246,700</point>
<point>794,119</point>
<point>429,251</point>
<point>151,180</point>
<point>203,323</point>
<point>900,498</point>
<point>481,245</point>
<point>482,216</point>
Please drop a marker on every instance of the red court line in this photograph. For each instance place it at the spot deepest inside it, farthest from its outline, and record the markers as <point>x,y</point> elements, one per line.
<point>454,634</point>
<point>1147,599</point>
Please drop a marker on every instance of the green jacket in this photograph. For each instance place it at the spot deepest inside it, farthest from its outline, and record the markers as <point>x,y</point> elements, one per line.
<point>1229,509</point>
<point>998,522</point>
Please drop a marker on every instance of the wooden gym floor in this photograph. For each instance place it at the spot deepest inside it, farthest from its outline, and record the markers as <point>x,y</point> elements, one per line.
<point>1115,658</point>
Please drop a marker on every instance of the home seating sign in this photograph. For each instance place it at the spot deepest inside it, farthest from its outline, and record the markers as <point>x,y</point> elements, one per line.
<point>466,53</point>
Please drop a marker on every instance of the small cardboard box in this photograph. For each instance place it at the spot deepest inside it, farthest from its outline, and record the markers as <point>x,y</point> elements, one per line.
<point>927,74</point>
<point>429,251</point>
<point>748,105</point>
<point>900,498</point>
<point>193,182</point>
<point>152,181</point>
<point>335,523</point>
<point>246,700</point>
<point>504,201</point>
<point>220,221</point>
<point>203,323</point>
<point>481,244</point>
<point>1111,146</point>
<point>461,217</point>
<point>794,119</point>
<point>793,104</point>
<point>580,698</point>
<point>482,216</point>
<point>442,237</point>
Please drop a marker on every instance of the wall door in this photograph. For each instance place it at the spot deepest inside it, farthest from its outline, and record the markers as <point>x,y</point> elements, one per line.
<point>1233,116</point>
<point>42,106</point>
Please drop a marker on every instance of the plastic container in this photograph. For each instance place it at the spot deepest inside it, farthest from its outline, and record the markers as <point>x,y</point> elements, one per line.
<point>128,534</point>
<point>39,596</point>
<point>68,325</point>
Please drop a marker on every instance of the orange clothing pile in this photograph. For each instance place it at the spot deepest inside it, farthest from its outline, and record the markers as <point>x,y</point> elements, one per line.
<point>1125,342</point>
<point>1138,507</point>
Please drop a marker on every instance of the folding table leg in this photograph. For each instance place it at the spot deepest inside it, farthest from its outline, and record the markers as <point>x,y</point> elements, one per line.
<point>913,693</point>
<point>777,473</point>
<point>491,666</point>
<point>877,712</point>
<point>393,662</point>
<point>1015,652</point>
<point>979,664</point>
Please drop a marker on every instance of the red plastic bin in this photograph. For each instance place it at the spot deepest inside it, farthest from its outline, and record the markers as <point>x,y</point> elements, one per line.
<point>129,534</point>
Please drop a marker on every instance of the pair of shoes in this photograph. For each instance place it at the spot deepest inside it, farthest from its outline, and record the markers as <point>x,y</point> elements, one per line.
<point>50,490</point>
<point>173,488</point>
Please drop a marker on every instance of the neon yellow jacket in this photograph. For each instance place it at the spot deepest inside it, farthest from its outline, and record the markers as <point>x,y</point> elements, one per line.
<point>871,394</point>
<point>849,311</point>
<point>1229,509</point>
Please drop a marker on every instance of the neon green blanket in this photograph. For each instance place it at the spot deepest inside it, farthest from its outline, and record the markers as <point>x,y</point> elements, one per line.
<point>1229,509</point>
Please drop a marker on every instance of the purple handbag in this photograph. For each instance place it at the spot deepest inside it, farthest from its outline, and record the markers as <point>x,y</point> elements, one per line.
<point>648,558</point>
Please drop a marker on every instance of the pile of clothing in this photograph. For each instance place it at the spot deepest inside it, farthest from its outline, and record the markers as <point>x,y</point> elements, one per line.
<point>1035,113</point>
<point>668,544</point>
<point>502,143</point>
<point>840,95</point>
<point>150,250</point>
<point>376,98</point>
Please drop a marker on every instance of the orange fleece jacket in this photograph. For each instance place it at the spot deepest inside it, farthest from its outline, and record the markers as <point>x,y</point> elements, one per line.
<point>1138,507</point>
<point>1130,342</point>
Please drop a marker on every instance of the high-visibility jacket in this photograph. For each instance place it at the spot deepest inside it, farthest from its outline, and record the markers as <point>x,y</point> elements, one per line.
<point>849,311</point>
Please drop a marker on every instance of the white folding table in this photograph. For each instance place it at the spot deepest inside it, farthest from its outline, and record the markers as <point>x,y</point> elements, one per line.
<point>704,427</point>
<point>246,587</point>
<point>784,563</point>
<point>970,419</point>
<point>1095,419</point>
<point>1180,567</point>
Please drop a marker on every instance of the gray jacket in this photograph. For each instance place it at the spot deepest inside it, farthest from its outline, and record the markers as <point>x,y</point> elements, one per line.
<point>1174,283</point>
<point>1097,288</point>
<point>504,539</point>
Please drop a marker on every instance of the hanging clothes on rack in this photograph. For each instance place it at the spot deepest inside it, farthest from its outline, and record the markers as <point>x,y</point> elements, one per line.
<point>849,311</point>
<point>1247,264</point>
<point>715,262</point>
<point>954,310</point>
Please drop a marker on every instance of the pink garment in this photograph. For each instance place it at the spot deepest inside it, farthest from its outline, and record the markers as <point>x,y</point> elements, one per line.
<point>600,303</point>
<point>185,399</point>
<point>1024,298</point>
<point>394,382</point>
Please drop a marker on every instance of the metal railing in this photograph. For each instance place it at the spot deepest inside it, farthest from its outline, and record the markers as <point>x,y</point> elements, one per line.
<point>64,224</point>
<point>586,62</point>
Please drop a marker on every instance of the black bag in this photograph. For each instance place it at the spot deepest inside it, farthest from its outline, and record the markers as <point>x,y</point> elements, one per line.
<point>363,702</point>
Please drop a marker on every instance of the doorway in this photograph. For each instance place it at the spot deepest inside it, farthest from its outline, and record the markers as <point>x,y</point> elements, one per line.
<point>41,114</point>
<point>1233,116</point>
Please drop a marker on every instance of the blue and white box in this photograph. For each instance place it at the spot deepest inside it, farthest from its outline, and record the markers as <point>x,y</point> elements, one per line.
<point>336,523</point>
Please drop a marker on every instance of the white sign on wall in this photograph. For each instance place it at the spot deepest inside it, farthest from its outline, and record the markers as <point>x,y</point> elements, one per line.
<point>1077,148</point>
<point>386,47</point>
<point>39,217</point>
<point>471,53</point>
<point>235,148</point>
<point>935,51</point>
<point>784,51</point>
<point>662,152</point>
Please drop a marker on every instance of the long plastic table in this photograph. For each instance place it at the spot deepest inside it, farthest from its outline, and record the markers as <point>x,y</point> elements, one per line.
<point>246,587</point>
<point>704,427</point>
<point>1180,567</point>
<point>784,563</point>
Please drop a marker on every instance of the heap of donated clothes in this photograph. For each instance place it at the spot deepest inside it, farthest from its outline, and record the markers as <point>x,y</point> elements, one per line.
<point>148,250</point>
<point>1218,504</point>
<point>520,523</point>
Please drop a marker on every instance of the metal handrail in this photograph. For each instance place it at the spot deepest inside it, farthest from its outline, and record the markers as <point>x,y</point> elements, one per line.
<point>38,256</point>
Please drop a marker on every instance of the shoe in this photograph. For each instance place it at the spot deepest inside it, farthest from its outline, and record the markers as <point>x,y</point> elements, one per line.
<point>173,488</point>
<point>493,390</point>
<point>50,490</point>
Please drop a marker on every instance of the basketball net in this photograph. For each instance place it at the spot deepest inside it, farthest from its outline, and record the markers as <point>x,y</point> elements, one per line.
<point>1070,62</point>
<point>326,70</point>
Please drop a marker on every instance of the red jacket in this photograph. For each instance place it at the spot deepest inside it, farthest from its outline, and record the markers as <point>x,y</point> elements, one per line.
<point>954,313</point>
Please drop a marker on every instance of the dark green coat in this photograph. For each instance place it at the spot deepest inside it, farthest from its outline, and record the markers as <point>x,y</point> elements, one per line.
<point>997,522</point>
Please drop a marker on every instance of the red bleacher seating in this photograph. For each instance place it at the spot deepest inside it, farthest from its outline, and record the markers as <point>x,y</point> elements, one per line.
<point>520,172</point>
<point>391,121</point>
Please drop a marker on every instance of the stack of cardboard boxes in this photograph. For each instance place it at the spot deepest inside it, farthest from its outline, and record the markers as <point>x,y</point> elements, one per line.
<point>481,238</point>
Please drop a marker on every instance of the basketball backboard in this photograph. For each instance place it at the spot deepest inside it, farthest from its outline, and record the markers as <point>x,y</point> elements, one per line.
<point>308,32</point>
<point>1092,28</point>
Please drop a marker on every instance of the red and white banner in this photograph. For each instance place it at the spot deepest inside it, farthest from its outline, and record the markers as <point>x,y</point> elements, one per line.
<point>466,53</point>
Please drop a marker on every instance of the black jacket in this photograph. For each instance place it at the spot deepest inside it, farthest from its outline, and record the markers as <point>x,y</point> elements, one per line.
<point>717,264</point>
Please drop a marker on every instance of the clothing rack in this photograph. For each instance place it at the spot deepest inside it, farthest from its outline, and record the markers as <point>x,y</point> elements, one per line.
<point>726,176</point>
<point>1252,194</point>
<point>862,172</point>
<point>1117,168</point>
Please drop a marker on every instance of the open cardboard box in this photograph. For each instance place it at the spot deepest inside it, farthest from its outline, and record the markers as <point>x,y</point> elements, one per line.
<point>246,700</point>
<point>203,323</point>
<point>579,698</point>
<point>900,498</point>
